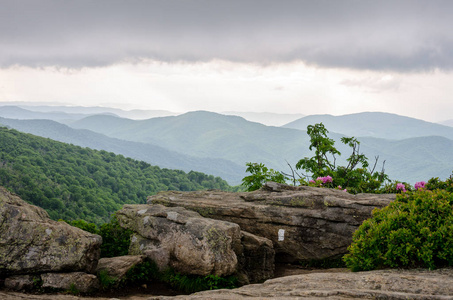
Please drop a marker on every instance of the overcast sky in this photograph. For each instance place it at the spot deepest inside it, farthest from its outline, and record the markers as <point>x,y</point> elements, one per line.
<point>308,57</point>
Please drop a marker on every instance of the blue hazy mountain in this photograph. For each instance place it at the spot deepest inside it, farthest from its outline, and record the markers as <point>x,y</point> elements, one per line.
<point>207,134</point>
<point>375,124</point>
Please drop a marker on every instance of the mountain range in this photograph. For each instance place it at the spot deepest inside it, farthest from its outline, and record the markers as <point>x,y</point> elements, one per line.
<point>221,145</point>
<point>375,124</point>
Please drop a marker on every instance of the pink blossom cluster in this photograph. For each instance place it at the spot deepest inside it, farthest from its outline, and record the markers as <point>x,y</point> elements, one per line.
<point>340,188</point>
<point>325,179</point>
<point>419,185</point>
<point>400,187</point>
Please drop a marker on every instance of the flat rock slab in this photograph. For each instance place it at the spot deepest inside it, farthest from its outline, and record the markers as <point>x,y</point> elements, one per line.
<point>304,223</point>
<point>384,284</point>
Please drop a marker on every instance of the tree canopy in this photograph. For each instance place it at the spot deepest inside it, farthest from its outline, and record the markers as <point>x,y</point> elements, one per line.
<point>72,182</point>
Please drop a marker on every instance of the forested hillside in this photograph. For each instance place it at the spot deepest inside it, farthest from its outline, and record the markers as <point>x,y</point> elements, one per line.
<point>72,182</point>
<point>149,153</point>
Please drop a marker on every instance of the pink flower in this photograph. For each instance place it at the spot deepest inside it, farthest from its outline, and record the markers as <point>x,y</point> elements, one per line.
<point>400,187</point>
<point>419,185</point>
<point>325,179</point>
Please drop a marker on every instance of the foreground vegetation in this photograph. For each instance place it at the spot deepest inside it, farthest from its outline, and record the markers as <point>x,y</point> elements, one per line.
<point>321,170</point>
<point>414,231</point>
<point>72,182</point>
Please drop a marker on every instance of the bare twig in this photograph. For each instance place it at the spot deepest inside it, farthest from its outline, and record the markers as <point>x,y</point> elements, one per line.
<point>376,158</point>
<point>292,171</point>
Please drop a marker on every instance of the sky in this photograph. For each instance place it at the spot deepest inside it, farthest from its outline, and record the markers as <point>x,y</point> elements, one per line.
<point>307,57</point>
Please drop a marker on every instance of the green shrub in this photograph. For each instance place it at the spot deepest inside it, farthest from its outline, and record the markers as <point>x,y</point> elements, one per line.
<point>148,271</point>
<point>84,225</point>
<point>260,174</point>
<point>416,230</point>
<point>435,183</point>
<point>143,272</point>
<point>105,280</point>
<point>115,239</point>
<point>193,283</point>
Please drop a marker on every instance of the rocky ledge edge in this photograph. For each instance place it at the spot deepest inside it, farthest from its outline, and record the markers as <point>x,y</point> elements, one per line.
<point>382,284</point>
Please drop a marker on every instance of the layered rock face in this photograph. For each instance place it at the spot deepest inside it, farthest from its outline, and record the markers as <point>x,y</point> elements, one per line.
<point>31,243</point>
<point>191,244</point>
<point>304,223</point>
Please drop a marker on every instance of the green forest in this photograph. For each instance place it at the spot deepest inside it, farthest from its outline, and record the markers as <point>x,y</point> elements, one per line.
<point>71,182</point>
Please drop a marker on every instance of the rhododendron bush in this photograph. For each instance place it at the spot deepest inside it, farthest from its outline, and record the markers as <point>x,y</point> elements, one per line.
<point>415,230</point>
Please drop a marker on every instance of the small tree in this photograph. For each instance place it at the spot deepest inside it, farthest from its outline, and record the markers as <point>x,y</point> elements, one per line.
<point>356,176</point>
<point>260,174</point>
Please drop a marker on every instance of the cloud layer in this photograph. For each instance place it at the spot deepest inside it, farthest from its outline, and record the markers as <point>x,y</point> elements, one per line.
<point>375,35</point>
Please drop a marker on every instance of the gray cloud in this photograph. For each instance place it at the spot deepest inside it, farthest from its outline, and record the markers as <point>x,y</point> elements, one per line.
<point>379,35</point>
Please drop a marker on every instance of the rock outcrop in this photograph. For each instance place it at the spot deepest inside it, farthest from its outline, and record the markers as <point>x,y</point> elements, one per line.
<point>304,223</point>
<point>182,239</point>
<point>384,284</point>
<point>191,244</point>
<point>31,243</point>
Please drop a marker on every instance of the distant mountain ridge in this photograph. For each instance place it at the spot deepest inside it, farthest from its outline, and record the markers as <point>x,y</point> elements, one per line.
<point>67,114</point>
<point>73,111</point>
<point>15,112</point>
<point>375,124</point>
<point>206,134</point>
<point>447,123</point>
<point>266,118</point>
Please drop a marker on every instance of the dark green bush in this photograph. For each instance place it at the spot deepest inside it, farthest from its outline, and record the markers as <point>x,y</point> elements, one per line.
<point>148,271</point>
<point>434,183</point>
<point>115,239</point>
<point>416,230</point>
<point>193,283</point>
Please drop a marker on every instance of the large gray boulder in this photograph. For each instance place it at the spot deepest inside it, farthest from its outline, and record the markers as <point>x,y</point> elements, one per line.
<point>30,242</point>
<point>182,239</point>
<point>304,223</point>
